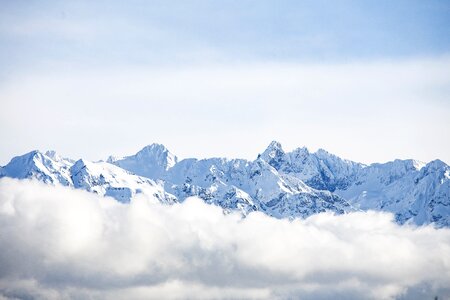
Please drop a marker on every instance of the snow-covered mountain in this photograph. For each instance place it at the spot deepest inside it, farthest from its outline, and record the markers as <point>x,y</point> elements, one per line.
<point>412,190</point>
<point>320,170</point>
<point>409,189</point>
<point>278,183</point>
<point>109,180</point>
<point>249,186</point>
<point>98,177</point>
<point>48,167</point>
<point>152,161</point>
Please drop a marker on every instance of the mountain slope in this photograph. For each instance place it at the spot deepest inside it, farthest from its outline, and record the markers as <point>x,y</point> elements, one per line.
<point>98,177</point>
<point>320,170</point>
<point>404,187</point>
<point>253,185</point>
<point>47,167</point>
<point>413,191</point>
<point>152,161</point>
<point>109,180</point>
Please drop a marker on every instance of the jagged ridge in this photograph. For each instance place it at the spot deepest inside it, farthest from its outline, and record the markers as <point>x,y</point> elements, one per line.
<point>278,183</point>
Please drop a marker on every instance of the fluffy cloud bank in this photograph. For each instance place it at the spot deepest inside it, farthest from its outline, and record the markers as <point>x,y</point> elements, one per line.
<point>58,243</point>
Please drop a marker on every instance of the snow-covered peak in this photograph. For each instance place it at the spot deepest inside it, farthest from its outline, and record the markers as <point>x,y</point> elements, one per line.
<point>153,161</point>
<point>320,170</point>
<point>52,154</point>
<point>19,166</point>
<point>436,164</point>
<point>157,151</point>
<point>35,164</point>
<point>274,155</point>
<point>322,152</point>
<point>436,168</point>
<point>112,158</point>
<point>273,149</point>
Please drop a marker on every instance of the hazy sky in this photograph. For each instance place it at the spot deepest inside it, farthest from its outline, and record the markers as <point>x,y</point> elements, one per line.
<point>366,80</point>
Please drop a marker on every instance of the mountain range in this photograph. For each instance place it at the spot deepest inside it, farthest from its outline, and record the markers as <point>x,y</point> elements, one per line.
<point>281,184</point>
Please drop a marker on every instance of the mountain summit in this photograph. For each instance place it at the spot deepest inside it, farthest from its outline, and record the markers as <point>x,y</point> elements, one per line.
<point>153,161</point>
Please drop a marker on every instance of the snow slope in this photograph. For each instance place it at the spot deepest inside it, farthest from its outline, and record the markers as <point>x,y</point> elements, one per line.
<point>404,187</point>
<point>109,180</point>
<point>98,177</point>
<point>47,167</point>
<point>152,161</point>
<point>413,191</point>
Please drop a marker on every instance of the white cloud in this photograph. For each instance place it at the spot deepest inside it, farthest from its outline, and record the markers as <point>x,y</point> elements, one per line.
<point>61,243</point>
<point>363,111</point>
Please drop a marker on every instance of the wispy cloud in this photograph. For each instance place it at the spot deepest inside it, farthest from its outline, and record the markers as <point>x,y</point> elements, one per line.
<point>56,243</point>
<point>305,73</point>
<point>249,30</point>
<point>197,110</point>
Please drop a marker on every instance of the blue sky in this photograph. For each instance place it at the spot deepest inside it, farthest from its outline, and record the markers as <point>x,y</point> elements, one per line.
<point>169,32</point>
<point>205,76</point>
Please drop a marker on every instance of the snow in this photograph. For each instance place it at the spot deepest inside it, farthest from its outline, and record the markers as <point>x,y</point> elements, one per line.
<point>152,161</point>
<point>280,184</point>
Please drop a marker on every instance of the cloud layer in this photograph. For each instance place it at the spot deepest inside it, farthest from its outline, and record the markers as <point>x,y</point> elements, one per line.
<point>383,109</point>
<point>57,243</point>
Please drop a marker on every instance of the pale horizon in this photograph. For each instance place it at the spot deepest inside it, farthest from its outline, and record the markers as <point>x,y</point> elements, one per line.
<point>116,111</point>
